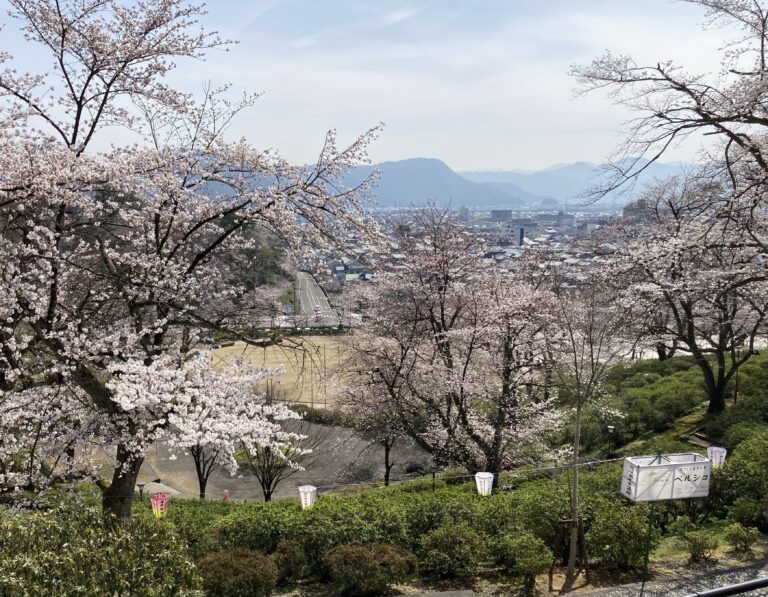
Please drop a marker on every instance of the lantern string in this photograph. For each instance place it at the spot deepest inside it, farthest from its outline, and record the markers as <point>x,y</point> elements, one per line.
<point>521,473</point>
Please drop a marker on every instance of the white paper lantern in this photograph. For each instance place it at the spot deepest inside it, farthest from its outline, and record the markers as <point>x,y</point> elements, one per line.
<point>665,477</point>
<point>717,456</point>
<point>308,495</point>
<point>484,483</point>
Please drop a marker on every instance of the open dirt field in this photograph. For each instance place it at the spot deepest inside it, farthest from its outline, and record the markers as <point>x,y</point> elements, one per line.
<point>308,363</point>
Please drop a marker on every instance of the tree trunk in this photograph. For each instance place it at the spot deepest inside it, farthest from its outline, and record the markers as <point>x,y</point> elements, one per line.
<point>117,499</point>
<point>387,463</point>
<point>573,545</point>
<point>714,381</point>
<point>716,398</point>
<point>202,481</point>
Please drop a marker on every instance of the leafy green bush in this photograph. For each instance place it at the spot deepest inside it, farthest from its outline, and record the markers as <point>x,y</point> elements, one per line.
<point>700,544</point>
<point>454,550</point>
<point>523,555</point>
<point>654,407</point>
<point>617,534</point>
<point>741,538</point>
<point>238,573</point>
<point>358,570</point>
<point>540,505</point>
<point>290,560</point>
<point>337,520</point>
<point>745,472</point>
<point>736,434</point>
<point>68,551</point>
<point>747,511</point>
<point>257,526</point>
<point>193,521</point>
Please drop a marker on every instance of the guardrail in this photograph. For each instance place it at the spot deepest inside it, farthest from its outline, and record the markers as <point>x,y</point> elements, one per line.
<point>737,589</point>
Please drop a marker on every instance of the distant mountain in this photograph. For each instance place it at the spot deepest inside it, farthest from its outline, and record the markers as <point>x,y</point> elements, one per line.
<point>569,182</point>
<point>417,181</point>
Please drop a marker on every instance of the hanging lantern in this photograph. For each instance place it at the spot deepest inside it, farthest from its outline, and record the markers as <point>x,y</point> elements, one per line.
<point>308,495</point>
<point>665,477</point>
<point>159,503</point>
<point>717,456</point>
<point>484,483</point>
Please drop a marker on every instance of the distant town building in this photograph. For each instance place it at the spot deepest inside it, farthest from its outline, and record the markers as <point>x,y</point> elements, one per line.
<point>501,215</point>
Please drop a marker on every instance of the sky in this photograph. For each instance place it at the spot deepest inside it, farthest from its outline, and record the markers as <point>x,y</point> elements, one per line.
<point>479,84</point>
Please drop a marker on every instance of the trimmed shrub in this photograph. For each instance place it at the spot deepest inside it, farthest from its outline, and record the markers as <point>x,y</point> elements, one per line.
<point>741,432</point>
<point>523,555</point>
<point>238,573</point>
<point>746,471</point>
<point>540,505</point>
<point>617,534</point>
<point>747,511</point>
<point>700,544</point>
<point>257,526</point>
<point>741,538</point>
<point>290,560</point>
<point>68,551</point>
<point>194,520</point>
<point>359,570</point>
<point>334,521</point>
<point>451,551</point>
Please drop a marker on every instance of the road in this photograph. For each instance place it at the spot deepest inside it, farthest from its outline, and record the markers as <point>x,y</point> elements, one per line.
<point>309,294</point>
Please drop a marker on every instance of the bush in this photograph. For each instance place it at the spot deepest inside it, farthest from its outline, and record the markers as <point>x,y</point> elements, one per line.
<point>523,555</point>
<point>746,472</point>
<point>451,551</point>
<point>741,432</point>
<point>747,511</point>
<point>257,526</point>
<point>193,521</point>
<point>741,538</point>
<point>68,551</point>
<point>238,573</point>
<point>358,570</point>
<point>617,535</point>
<point>334,521</point>
<point>700,544</point>
<point>290,560</point>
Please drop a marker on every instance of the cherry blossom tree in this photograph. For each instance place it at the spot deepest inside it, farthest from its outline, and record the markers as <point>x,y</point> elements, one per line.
<point>457,347</point>
<point>591,338</point>
<point>361,401</point>
<point>115,263</point>
<point>698,271</point>
<point>672,104</point>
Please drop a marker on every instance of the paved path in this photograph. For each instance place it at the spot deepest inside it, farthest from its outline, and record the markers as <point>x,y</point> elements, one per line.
<point>685,585</point>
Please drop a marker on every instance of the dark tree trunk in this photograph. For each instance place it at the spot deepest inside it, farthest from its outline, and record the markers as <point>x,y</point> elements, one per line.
<point>202,482</point>
<point>388,464</point>
<point>716,393</point>
<point>117,499</point>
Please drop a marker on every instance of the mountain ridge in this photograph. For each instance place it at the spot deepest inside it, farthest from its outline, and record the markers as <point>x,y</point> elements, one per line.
<point>417,181</point>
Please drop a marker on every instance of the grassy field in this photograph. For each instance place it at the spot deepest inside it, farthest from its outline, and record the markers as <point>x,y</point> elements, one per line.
<point>308,363</point>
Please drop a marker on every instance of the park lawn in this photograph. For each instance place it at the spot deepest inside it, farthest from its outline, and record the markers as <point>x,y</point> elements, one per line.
<point>309,364</point>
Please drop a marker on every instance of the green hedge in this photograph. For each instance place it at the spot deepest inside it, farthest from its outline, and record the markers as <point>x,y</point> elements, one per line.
<point>67,551</point>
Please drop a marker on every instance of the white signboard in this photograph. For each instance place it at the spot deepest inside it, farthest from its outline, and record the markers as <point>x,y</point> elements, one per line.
<point>665,477</point>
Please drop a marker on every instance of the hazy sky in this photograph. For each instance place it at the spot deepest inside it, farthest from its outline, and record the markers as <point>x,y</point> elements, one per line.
<point>479,84</point>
